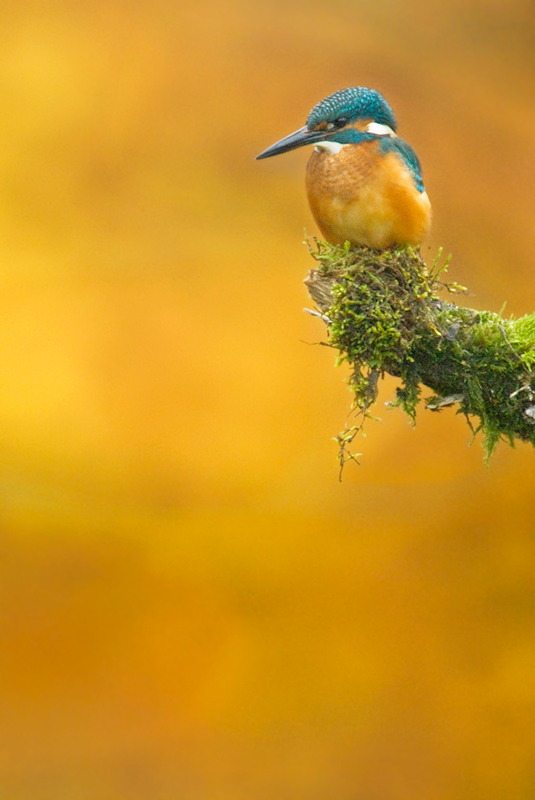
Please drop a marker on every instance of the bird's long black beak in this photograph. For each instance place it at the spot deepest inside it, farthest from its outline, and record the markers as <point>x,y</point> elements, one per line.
<point>298,139</point>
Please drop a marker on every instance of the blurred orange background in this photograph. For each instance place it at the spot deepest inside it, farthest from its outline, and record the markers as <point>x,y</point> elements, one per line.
<point>193,606</point>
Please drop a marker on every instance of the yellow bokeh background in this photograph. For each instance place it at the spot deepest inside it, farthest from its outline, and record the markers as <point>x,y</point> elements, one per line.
<point>192,605</point>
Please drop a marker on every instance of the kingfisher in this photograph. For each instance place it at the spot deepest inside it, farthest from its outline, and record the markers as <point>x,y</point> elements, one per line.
<point>364,183</point>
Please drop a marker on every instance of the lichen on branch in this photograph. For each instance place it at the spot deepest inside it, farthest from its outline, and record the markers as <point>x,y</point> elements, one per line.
<point>384,315</point>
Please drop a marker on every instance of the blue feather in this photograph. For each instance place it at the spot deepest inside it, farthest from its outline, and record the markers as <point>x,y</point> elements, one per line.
<point>390,144</point>
<point>354,103</point>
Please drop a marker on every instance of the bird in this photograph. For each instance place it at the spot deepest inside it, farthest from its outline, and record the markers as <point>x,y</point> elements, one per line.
<point>364,183</point>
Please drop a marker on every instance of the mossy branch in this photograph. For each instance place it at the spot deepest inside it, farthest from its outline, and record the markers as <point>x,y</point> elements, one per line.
<point>384,316</point>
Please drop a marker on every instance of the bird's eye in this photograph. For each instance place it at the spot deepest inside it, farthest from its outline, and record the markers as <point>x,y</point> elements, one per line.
<point>341,122</point>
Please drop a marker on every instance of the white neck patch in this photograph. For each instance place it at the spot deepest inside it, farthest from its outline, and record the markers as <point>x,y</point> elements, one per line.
<point>374,127</point>
<point>380,130</point>
<point>331,147</point>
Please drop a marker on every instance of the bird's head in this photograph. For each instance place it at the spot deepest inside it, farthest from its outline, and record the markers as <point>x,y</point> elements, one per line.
<point>344,117</point>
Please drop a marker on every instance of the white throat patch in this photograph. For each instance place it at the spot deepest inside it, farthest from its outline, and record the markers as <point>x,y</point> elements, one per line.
<point>331,147</point>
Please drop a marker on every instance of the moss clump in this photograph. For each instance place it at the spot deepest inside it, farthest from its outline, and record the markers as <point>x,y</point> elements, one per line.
<point>384,316</point>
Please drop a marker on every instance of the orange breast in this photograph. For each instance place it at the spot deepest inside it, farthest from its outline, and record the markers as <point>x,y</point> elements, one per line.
<point>359,195</point>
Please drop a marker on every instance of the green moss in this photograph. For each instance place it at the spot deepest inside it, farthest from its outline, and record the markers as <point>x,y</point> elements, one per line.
<point>385,316</point>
